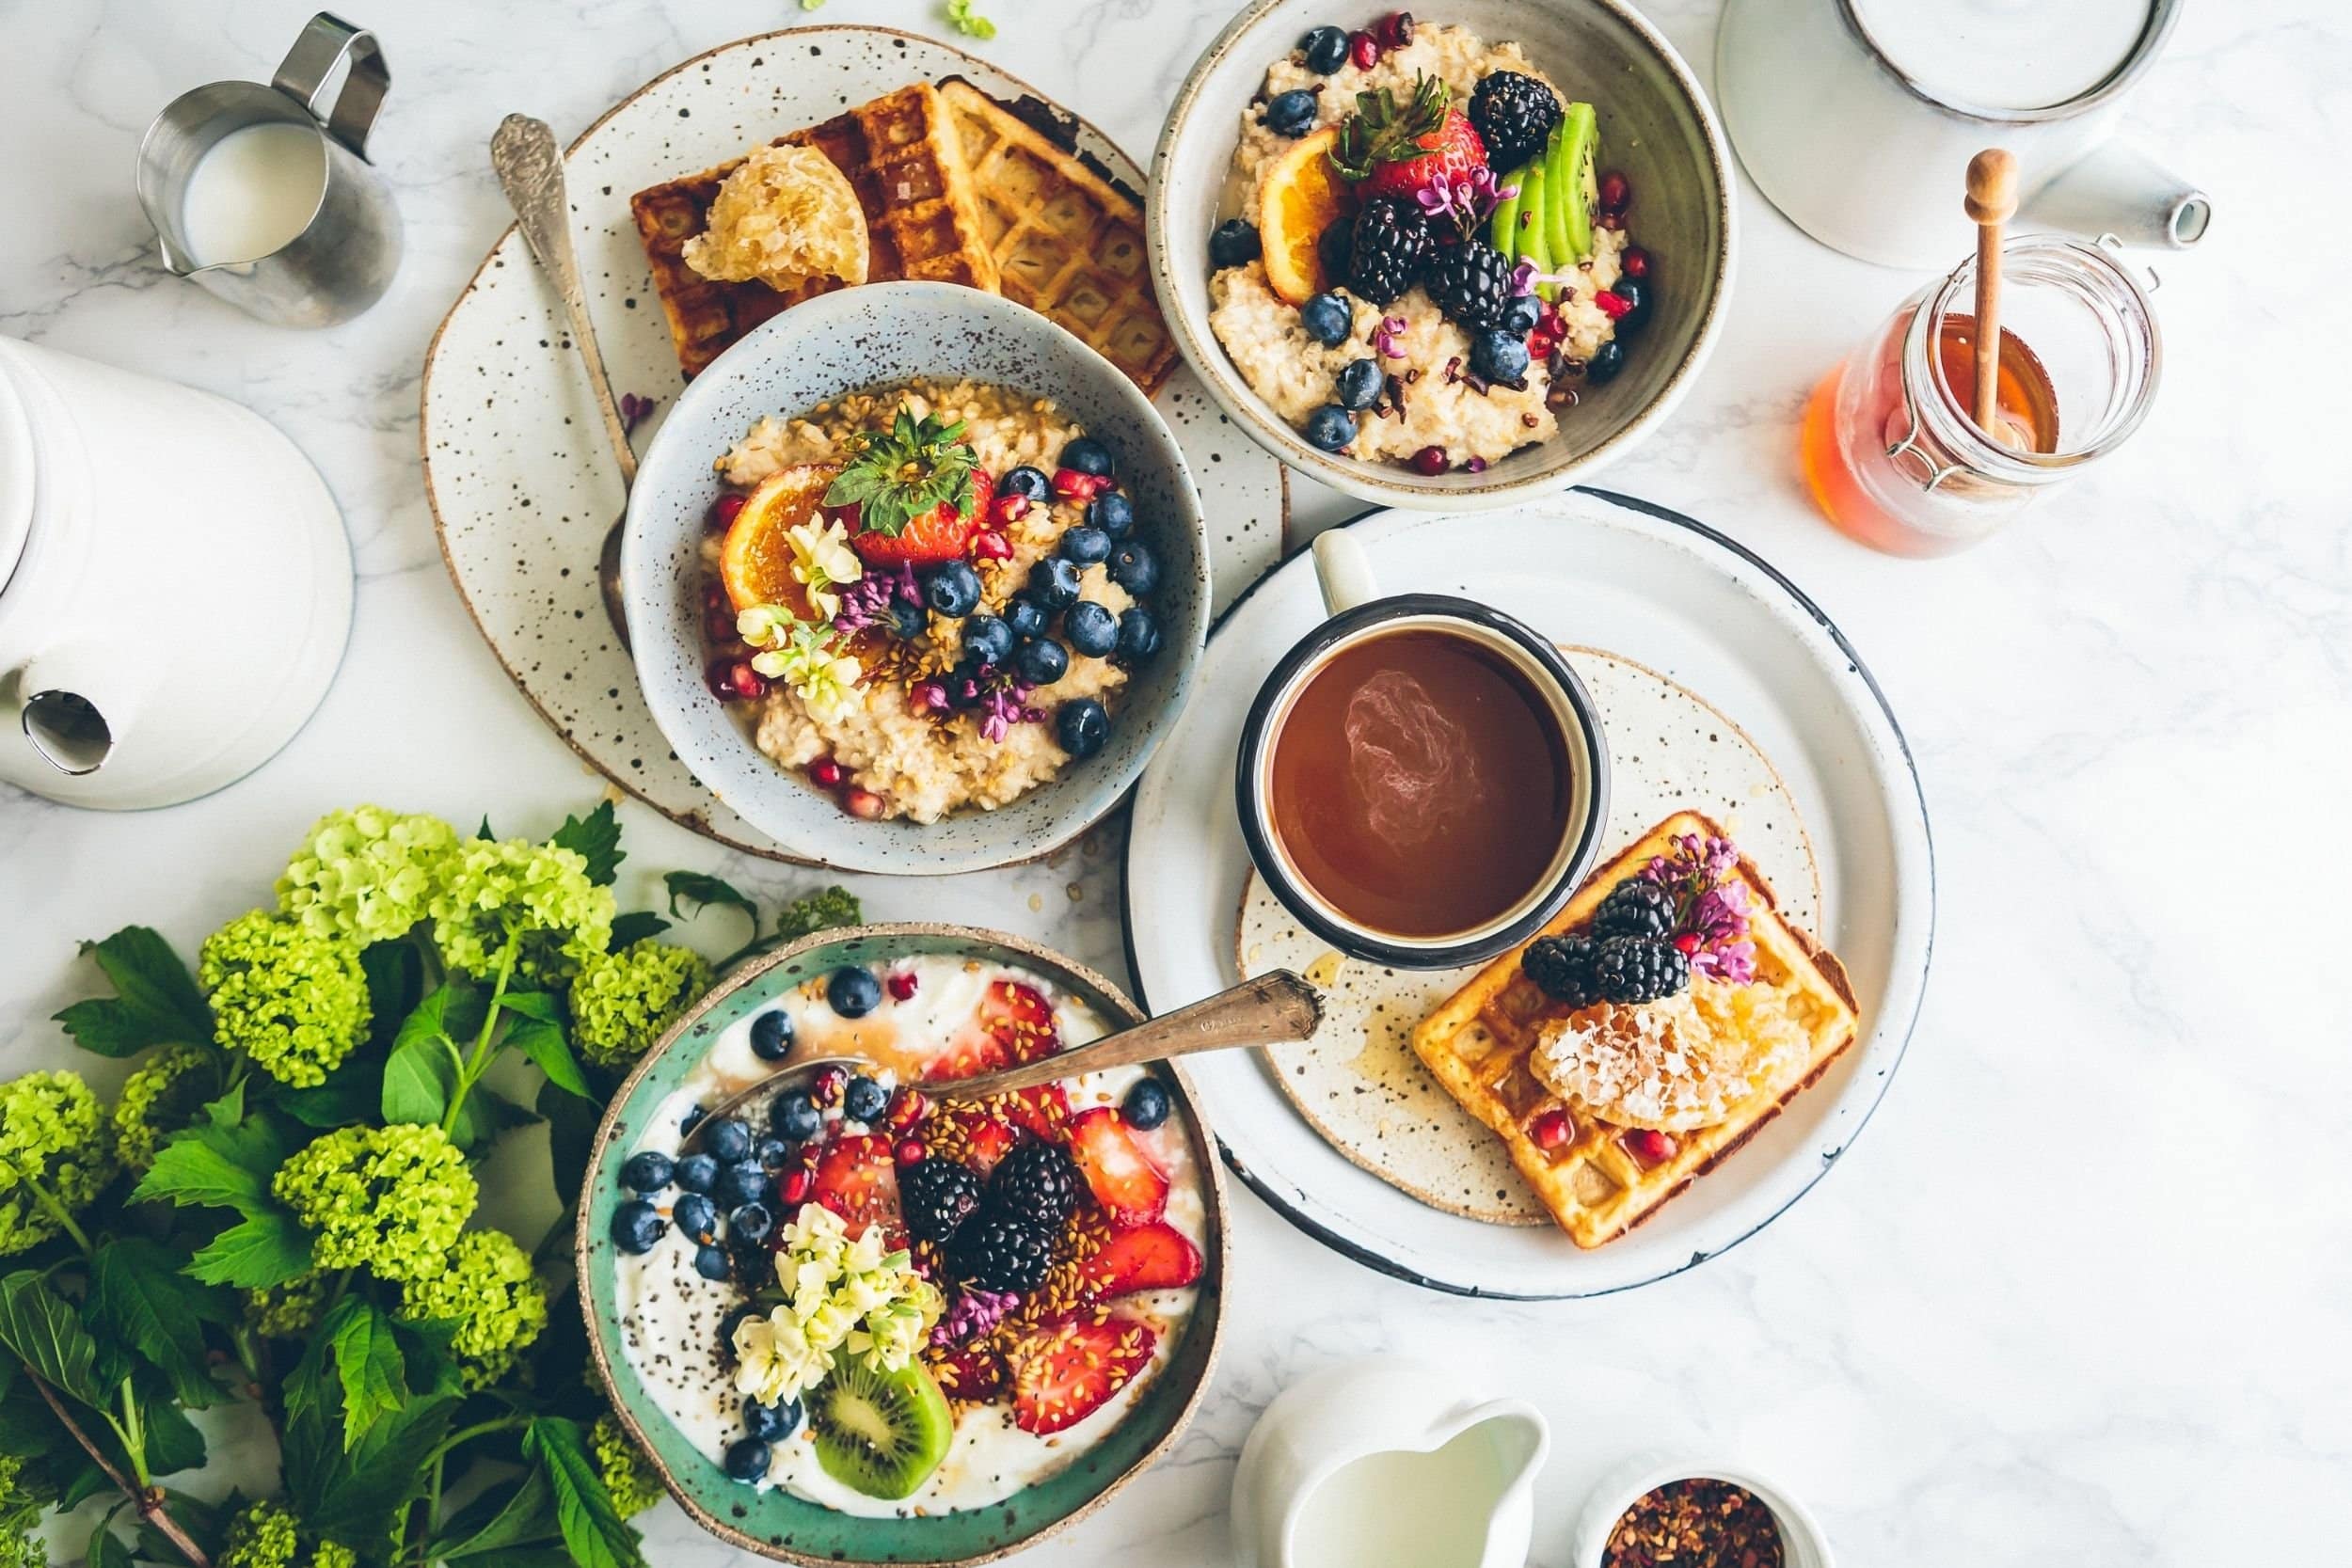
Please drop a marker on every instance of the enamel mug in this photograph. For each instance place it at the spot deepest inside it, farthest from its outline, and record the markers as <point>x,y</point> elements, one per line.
<point>1856,118</point>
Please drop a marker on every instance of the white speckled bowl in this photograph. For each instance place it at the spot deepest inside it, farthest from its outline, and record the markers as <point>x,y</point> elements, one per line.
<point>850,340</point>
<point>1655,125</point>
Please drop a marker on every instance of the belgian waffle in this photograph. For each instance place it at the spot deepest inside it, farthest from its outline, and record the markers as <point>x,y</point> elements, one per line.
<point>1477,1044</point>
<point>903,157</point>
<point>1066,237</point>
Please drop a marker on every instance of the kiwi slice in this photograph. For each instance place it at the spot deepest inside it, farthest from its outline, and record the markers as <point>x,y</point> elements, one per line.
<point>1534,243</point>
<point>881,1433</point>
<point>1503,231</point>
<point>1575,185</point>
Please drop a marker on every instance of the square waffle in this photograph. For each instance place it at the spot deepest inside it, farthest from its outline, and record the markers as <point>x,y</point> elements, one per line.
<point>1066,237</point>
<point>905,160</point>
<point>1477,1043</point>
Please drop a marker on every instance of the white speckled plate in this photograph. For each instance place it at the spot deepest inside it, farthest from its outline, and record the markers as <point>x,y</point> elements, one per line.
<point>1657,590</point>
<point>521,485</point>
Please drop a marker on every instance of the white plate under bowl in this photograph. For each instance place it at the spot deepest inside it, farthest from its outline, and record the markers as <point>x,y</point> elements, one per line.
<point>1665,591</point>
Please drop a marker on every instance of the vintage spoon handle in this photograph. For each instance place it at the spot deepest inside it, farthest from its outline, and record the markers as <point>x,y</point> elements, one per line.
<point>1269,1011</point>
<point>531,170</point>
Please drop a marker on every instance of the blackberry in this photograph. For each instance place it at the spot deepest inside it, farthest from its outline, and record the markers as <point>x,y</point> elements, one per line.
<point>1514,115</point>
<point>1387,251</point>
<point>1472,284</point>
<point>1036,1183</point>
<point>1633,969</point>
<point>938,1195</point>
<point>1000,1254</point>
<point>1562,968</point>
<point>1635,909</point>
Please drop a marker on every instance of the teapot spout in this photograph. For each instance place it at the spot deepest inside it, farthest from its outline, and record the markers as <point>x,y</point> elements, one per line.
<point>2122,191</point>
<point>74,708</point>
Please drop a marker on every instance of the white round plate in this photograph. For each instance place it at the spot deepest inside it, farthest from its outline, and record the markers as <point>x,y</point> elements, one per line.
<point>1652,586</point>
<point>521,484</point>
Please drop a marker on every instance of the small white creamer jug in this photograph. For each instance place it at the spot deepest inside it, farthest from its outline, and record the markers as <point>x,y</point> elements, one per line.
<point>1384,1463</point>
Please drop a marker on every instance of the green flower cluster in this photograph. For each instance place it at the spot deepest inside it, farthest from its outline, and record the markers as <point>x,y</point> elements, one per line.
<point>265,1535</point>
<point>159,1099</point>
<point>20,1511</point>
<point>535,896</point>
<point>489,1292</point>
<point>294,1002</point>
<point>826,910</point>
<point>366,874</point>
<point>389,1200</point>
<point>287,1311</point>
<point>55,1155</point>
<point>621,1002</point>
<point>623,1467</point>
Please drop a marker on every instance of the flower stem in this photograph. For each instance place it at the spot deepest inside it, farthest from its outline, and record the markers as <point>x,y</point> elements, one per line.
<point>478,1059</point>
<point>466,1434</point>
<point>63,1215</point>
<point>150,1498</point>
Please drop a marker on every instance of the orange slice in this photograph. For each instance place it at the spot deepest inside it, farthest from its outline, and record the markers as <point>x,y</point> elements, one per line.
<point>1303,194</point>
<point>755,562</point>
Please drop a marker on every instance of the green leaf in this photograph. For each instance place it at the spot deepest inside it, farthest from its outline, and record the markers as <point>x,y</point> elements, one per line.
<point>485,1114</point>
<point>483,832</point>
<point>596,837</point>
<point>422,1070</point>
<point>592,1528</point>
<point>545,1045</point>
<point>267,1247</point>
<point>508,1515</point>
<point>353,1092</point>
<point>173,1443</point>
<point>106,1549</point>
<point>368,1360</point>
<point>138,1295</point>
<point>697,892</point>
<point>532,1003</point>
<point>636,925</point>
<point>219,1165</point>
<point>571,1136</point>
<point>395,973</point>
<point>353,1494</point>
<point>155,1003</point>
<point>86,1482</point>
<point>901,474</point>
<point>206,1524</point>
<point>45,1333</point>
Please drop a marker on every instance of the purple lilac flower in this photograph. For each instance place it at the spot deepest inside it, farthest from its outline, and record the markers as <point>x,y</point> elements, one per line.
<point>1467,201</point>
<point>1002,706</point>
<point>1384,337</point>
<point>634,407</point>
<point>1711,904</point>
<point>976,1311</point>
<point>867,602</point>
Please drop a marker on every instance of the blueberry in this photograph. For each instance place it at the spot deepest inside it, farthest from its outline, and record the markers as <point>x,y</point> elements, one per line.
<point>697,1173</point>
<point>1083,726</point>
<point>648,1172</point>
<point>952,588</point>
<point>1607,360</point>
<point>1361,381</point>
<point>1331,427</point>
<point>1636,293</point>
<point>1042,662</point>
<point>1113,512</point>
<point>1325,49</point>
<point>728,1141</point>
<point>1092,629</point>
<point>852,991</point>
<point>741,1183</point>
<point>1522,314</point>
<point>1138,637</point>
<point>1146,1105</point>
<point>1498,356</point>
<point>637,1226</point>
<point>736,1318</point>
<point>772,1035</point>
<point>1084,545</point>
<point>1234,244</point>
<point>795,1118</point>
<point>987,639</point>
<point>1026,616</point>
<point>1054,583</point>
<point>1290,114</point>
<point>746,1460</point>
<point>771,1153</point>
<point>863,1099</point>
<point>1328,320</point>
<point>691,1119</point>
<point>1086,455</point>
<point>751,1224</point>
<point>712,1262</point>
<point>1024,481</point>
<point>696,1215</point>
<point>771,1423</point>
<point>909,619</point>
<point>1336,245</point>
<point>1135,568</point>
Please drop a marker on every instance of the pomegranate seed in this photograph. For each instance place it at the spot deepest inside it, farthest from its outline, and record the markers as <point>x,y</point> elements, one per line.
<point>1553,324</point>
<point>1649,1146</point>
<point>909,1152</point>
<point>862,803</point>
<point>1634,262</point>
<point>993,547</point>
<point>828,1085</point>
<point>1429,461</point>
<point>912,1105</point>
<point>1539,345</point>
<point>1615,195</point>
<point>1013,508</point>
<point>796,1186</point>
<point>825,774</point>
<point>713,594</point>
<point>1687,944</point>
<point>1551,1128</point>
<point>1071,485</point>
<point>732,678</point>
<point>902,981</point>
<point>1364,50</point>
<point>723,511</point>
<point>1614,306</point>
<point>718,625</point>
<point>1395,30</point>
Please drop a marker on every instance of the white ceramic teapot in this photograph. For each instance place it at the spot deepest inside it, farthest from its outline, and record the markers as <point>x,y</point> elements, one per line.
<point>175,585</point>
<point>1384,1463</point>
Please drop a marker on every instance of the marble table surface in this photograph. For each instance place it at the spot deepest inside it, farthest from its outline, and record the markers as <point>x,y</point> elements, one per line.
<point>2080,1296</point>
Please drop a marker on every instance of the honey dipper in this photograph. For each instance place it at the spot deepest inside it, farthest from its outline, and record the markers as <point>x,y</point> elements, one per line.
<point>1992,202</point>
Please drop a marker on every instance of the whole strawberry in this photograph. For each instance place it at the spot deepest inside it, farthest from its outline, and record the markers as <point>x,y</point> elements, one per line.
<point>1402,150</point>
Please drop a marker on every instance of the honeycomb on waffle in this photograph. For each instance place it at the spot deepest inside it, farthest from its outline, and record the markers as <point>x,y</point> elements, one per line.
<point>905,160</point>
<point>1478,1043</point>
<point>1067,239</point>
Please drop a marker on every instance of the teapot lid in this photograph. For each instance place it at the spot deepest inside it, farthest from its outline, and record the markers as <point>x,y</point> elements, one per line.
<point>16,470</point>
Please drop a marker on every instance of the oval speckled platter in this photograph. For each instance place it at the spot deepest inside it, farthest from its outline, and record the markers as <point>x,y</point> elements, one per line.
<point>1358,1082</point>
<point>774,1523</point>
<point>519,478</point>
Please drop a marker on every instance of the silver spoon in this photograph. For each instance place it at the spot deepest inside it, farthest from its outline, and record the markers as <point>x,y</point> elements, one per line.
<point>1275,1007</point>
<point>531,170</point>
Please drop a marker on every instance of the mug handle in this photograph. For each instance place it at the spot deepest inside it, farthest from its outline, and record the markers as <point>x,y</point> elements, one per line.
<point>325,40</point>
<point>1342,572</point>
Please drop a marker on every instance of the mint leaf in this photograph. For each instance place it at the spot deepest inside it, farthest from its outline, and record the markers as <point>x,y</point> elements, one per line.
<point>267,1247</point>
<point>43,1332</point>
<point>543,1043</point>
<point>368,1360</point>
<point>155,1001</point>
<point>636,925</point>
<point>592,1528</point>
<point>137,1294</point>
<point>596,837</point>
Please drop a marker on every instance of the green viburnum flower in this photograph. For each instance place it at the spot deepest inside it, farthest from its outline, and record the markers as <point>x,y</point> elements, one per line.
<point>57,1151</point>
<point>287,1311</point>
<point>263,1535</point>
<point>389,1199</point>
<point>159,1099</point>
<point>623,1467</point>
<point>292,1001</point>
<point>490,1293</point>
<point>333,1554</point>
<point>20,1512</point>
<point>507,889</point>
<point>970,22</point>
<point>366,874</point>
<point>825,910</point>
<point>621,1002</point>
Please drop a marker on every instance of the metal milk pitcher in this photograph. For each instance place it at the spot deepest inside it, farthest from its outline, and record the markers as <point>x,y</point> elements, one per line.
<point>345,256</point>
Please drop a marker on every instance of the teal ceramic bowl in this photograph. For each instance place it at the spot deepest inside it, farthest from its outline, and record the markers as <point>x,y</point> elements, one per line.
<point>774,1523</point>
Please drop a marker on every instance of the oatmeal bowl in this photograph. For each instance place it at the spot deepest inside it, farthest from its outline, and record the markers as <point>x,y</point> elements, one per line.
<point>852,1319</point>
<point>1448,260</point>
<point>914,579</point>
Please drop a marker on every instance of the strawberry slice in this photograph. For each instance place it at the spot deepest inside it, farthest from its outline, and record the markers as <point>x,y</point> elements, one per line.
<point>981,1138</point>
<point>972,1050</point>
<point>1155,1257</point>
<point>972,1374</point>
<point>1124,1180</point>
<point>1021,1019</point>
<point>857,1178</point>
<point>1065,1373</point>
<point>1043,1110</point>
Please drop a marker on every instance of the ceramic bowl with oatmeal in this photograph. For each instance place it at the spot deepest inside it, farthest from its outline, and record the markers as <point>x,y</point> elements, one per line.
<point>1445,259</point>
<point>930,587</point>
